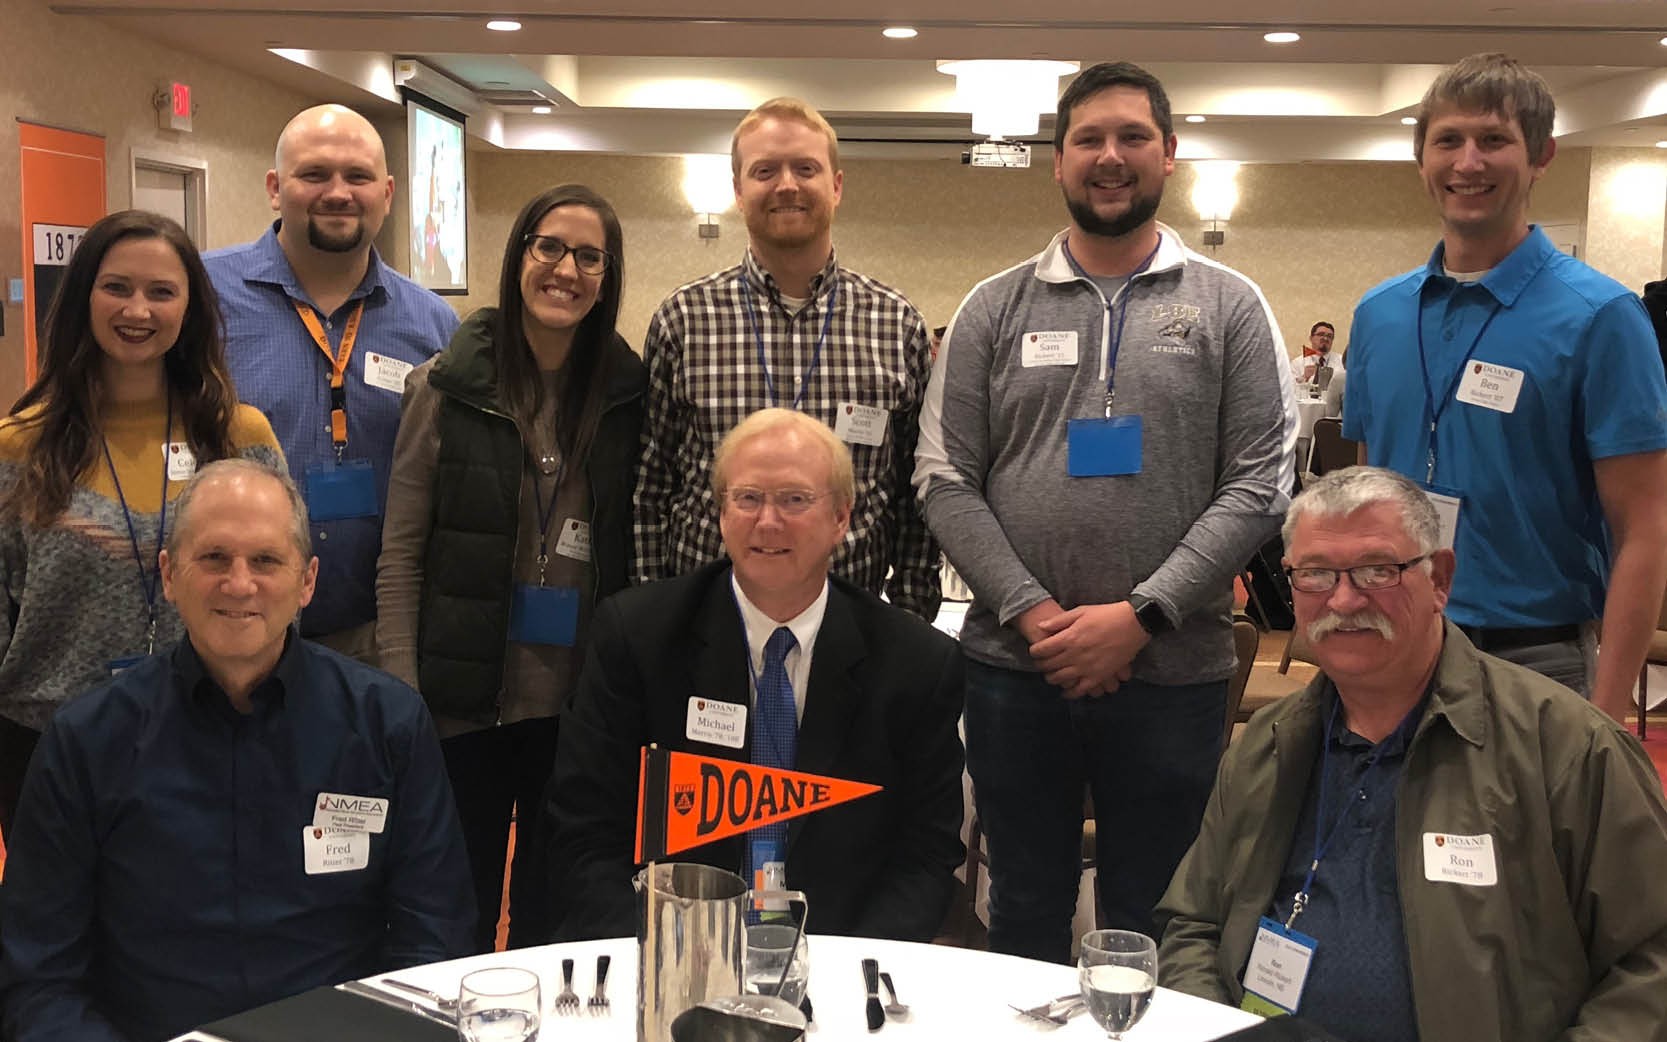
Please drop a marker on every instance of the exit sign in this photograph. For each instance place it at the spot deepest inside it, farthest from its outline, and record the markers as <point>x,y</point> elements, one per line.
<point>174,107</point>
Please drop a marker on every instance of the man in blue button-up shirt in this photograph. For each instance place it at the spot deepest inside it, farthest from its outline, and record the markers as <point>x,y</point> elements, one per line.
<point>315,276</point>
<point>241,819</point>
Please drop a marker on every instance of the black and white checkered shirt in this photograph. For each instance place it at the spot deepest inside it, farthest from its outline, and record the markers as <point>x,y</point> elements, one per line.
<point>704,378</point>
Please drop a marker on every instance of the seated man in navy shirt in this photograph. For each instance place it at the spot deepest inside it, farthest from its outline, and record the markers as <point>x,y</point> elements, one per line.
<point>241,819</point>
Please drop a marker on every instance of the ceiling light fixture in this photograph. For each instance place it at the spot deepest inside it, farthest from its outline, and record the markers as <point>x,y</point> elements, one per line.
<point>1664,41</point>
<point>542,110</point>
<point>899,32</point>
<point>1006,97</point>
<point>1409,121</point>
<point>504,25</point>
<point>1281,37</point>
<point>1195,119</point>
<point>1661,144</point>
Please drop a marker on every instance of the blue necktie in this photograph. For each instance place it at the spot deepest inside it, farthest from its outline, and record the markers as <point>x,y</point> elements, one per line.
<point>775,739</point>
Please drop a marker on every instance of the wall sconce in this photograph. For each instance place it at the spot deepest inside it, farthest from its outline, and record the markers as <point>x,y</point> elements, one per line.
<point>709,187</point>
<point>1214,194</point>
<point>1006,98</point>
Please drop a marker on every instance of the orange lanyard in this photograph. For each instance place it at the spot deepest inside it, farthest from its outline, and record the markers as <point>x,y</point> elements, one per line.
<point>338,366</point>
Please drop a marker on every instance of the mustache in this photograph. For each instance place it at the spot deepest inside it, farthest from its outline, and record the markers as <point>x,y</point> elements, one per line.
<point>1366,619</point>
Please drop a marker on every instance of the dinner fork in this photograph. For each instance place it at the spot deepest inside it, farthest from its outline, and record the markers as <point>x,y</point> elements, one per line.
<point>1054,1011</point>
<point>567,1002</point>
<point>599,1001</point>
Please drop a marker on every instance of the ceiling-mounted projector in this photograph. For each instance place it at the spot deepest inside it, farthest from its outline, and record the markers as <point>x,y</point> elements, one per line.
<point>997,153</point>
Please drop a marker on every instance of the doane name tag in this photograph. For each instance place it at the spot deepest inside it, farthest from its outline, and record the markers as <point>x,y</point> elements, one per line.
<point>861,424</point>
<point>1467,860</point>
<point>1057,347</point>
<point>333,850</point>
<point>386,373</point>
<point>1491,386</point>
<point>182,462</point>
<point>1277,970</point>
<point>340,810</point>
<point>719,723</point>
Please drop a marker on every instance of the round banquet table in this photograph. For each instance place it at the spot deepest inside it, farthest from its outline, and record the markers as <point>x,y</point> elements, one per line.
<point>1308,410</point>
<point>951,992</point>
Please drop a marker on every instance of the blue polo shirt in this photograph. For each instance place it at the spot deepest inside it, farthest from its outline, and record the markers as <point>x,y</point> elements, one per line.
<point>1532,544</point>
<point>279,369</point>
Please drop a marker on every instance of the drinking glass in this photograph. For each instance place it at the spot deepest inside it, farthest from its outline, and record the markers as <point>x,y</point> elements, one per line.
<point>498,1005</point>
<point>1117,971</point>
<point>768,947</point>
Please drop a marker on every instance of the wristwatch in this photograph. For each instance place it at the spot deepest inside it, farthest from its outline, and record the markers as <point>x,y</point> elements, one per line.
<point>1149,614</point>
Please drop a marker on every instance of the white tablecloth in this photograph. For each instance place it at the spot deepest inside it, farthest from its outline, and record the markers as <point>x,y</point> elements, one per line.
<point>953,993</point>
<point>1308,410</point>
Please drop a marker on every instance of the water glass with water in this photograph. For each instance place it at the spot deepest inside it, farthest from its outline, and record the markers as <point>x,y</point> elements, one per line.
<point>768,948</point>
<point>1118,970</point>
<point>500,1004</point>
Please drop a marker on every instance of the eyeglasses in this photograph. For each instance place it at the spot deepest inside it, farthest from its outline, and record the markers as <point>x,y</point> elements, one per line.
<point>547,249</point>
<point>789,501</point>
<point>1364,577</point>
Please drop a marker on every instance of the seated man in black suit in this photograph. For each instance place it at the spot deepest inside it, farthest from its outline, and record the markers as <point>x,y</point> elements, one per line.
<point>876,693</point>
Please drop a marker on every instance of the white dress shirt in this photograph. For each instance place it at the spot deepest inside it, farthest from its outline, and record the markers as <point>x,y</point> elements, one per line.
<point>759,626</point>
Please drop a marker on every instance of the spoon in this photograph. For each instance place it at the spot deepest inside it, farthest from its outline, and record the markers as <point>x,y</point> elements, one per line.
<point>893,1008</point>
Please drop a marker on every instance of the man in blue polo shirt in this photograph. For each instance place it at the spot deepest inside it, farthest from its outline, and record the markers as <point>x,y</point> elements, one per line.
<point>1523,391</point>
<point>319,336</point>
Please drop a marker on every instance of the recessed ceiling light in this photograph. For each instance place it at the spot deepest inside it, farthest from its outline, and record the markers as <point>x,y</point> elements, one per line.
<point>1195,119</point>
<point>1409,121</point>
<point>542,110</point>
<point>504,25</point>
<point>1281,37</point>
<point>1661,144</point>
<point>1664,41</point>
<point>899,32</point>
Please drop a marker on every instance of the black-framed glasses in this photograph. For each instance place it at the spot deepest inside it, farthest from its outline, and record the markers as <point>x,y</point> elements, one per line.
<point>1364,577</point>
<point>547,249</point>
<point>789,501</point>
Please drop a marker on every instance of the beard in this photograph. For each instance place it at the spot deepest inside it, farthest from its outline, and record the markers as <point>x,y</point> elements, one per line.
<point>1142,208</point>
<point>319,239</point>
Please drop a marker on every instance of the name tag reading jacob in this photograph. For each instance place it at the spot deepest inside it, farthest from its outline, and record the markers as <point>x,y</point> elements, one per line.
<point>1277,970</point>
<point>861,424</point>
<point>1467,860</point>
<point>340,810</point>
<point>1491,386</point>
<point>338,492</point>
<point>386,373</point>
<point>1099,448</point>
<point>720,723</point>
<point>330,850</point>
<point>182,462</point>
<point>1053,348</point>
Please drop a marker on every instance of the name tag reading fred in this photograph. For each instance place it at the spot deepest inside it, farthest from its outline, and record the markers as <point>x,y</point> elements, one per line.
<point>182,462</point>
<point>386,373</point>
<point>337,810</point>
<point>1491,386</point>
<point>333,850</point>
<point>1467,860</point>
<point>1098,448</point>
<point>861,424</point>
<point>1050,348</point>
<point>720,723</point>
<point>1277,970</point>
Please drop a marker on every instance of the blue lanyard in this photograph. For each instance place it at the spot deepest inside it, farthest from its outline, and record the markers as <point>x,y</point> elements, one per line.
<point>1324,837</point>
<point>546,510</point>
<point>1434,406</point>
<point>148,582</point>
<point>755,323</point>
<point>1116,343</point>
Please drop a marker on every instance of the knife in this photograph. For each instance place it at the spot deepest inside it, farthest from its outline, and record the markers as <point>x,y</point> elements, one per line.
<point>375,994</point>
<point>871,980</point>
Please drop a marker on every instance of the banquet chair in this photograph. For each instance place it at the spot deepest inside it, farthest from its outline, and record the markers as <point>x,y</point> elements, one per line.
<point>978,860</point>
<point>1246,638</point>
<point>1331,450</point>
<point>1655,656</point>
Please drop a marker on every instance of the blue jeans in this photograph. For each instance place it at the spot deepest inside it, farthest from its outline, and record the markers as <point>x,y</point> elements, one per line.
<point>1147,752</point>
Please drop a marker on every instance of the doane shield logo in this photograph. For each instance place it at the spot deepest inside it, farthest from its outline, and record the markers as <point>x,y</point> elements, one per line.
<point>683,798</point>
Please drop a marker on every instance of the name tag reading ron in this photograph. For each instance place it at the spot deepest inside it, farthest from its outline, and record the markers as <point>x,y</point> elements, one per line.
<point>386,373</point>
<point>324,851</point>
<point>340,810</point>
<point>719,723</point>
<point>1050,348</point>
<point>1467,860</point>
<point>1277,969</point>
<point>1099,448</point>
<point>861,424</point>
<point>1491,386</point>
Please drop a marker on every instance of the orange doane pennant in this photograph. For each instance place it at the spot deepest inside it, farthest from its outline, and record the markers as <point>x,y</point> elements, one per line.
<point>685,800</point>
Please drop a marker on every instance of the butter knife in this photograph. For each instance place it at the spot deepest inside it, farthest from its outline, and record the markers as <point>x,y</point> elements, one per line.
<point>375,994</point>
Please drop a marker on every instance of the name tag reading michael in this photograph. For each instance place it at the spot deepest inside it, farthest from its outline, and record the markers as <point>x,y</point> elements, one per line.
<point>331,850</point>
<point>1467,860</point>
<point>720,723</point>
<point>336,810</point>
<point>1491,386</point>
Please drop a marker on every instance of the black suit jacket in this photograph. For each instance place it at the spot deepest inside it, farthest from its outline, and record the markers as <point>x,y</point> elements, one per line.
<point>884,700</point>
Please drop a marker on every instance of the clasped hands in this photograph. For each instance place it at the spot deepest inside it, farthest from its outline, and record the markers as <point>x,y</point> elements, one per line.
<point>1085,651</point>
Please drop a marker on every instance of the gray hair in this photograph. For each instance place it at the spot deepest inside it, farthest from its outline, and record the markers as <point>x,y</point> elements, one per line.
<point>1494,83</point>
<point>300,533</point>
<point>1342,492</point>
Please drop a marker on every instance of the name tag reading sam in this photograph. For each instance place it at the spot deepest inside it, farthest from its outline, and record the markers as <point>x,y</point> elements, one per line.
<point>1051,348</point>
<point>861,424</point>
<point>337,810</point>
<point>1491,386</point>
<point>331,850</point>
<point>386,373</point>
<point>1467,860</point>
<point>720,723</point>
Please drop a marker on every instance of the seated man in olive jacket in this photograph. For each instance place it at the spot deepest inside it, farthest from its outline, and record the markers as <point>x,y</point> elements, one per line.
<point>865,691</point>
<point>1428,843</point>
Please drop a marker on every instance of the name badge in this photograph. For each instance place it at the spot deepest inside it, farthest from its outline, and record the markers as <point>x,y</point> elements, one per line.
<point>118,666</point>
<point>1491,386</point>
<point>182,462</point>
<point>337,492</point>
<point>1277,970</point>
<point>1051,348</point>
<point>387,373</point>
<point>340,810</point>
<point>574,540</point>
<point>324,851</point>
<point>769,860</point>
<point>544,615</point>
<point>861,424</point>
<point>1467,860</point>
<point>720,723</point>
<point>1100,448</point>
<point>1447,504</point>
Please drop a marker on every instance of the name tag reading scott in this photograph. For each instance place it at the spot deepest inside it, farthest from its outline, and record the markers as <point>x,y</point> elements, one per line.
<point>1467,860</point>
<point>1050,348</point>
<point>332,850</point>
<point>720,723</point>
<point>861,424</point>
<point>339,810</point>
<point>1491,386</point>
<point>386,373</point>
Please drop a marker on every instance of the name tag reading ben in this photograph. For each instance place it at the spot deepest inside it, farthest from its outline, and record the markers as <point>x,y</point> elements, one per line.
<point>1277,970</point>
<point>1491,386</point>
<point>1057,347</point>
<point>1101,448</point>
<point>861,424</point>
<point>331,850</point>
<point>720,723</point>
<point>340,810</point>
<point>1467,860</point>
<point>386,373</point>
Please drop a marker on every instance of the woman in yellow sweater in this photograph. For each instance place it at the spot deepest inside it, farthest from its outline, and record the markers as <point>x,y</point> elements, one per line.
<point>132,394</point>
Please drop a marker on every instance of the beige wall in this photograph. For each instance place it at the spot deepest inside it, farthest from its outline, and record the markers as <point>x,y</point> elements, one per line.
<point>1626,210</point>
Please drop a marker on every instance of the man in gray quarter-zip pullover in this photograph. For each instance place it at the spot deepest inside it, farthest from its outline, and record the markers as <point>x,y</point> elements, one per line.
<point>1108,435</point>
